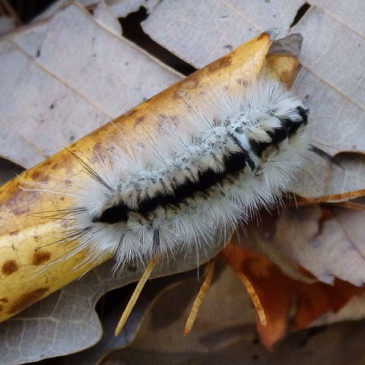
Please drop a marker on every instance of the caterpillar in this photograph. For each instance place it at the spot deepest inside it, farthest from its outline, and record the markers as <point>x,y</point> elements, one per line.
<point>194,180</point>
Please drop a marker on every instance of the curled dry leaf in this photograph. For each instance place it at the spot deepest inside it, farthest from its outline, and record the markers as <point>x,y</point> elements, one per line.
<point>327,242</point>
<point>337,107</point>
<point>28,239</point>
<point>309,263</point>
<point>288,304</point>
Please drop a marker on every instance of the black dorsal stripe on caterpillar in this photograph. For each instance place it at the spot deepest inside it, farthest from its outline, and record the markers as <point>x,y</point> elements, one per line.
<point>198,179</point>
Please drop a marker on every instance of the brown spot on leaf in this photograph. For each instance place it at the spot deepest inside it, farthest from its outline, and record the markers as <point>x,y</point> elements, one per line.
<point>97,148</point>
<point>48,165</point>
<point>40,176</point>
<point>140,120</point>
<point>14,233</point>
<point>9,267</point>
<point>39,257</point>
<point>27,299</point>
<point>17,201</point>
<point>47,162</point>
<point>219,64</point>
<point>4,300</point>
<point>190,83</point>
<point>130,113</point>
<point>14,197</point>
<point>243,82</point>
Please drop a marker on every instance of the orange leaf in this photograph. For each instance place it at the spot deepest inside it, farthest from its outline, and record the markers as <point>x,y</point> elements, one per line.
<point>287,304</point>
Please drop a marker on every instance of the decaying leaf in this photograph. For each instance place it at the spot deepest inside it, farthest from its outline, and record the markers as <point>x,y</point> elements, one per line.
<point>303,264</point>
<point>76,95</point>
<point>214,26</point>
<point>327,242</point>
<point>288,304</point>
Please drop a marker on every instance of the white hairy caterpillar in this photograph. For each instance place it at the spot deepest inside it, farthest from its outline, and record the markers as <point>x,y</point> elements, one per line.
<point>194,181</point>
